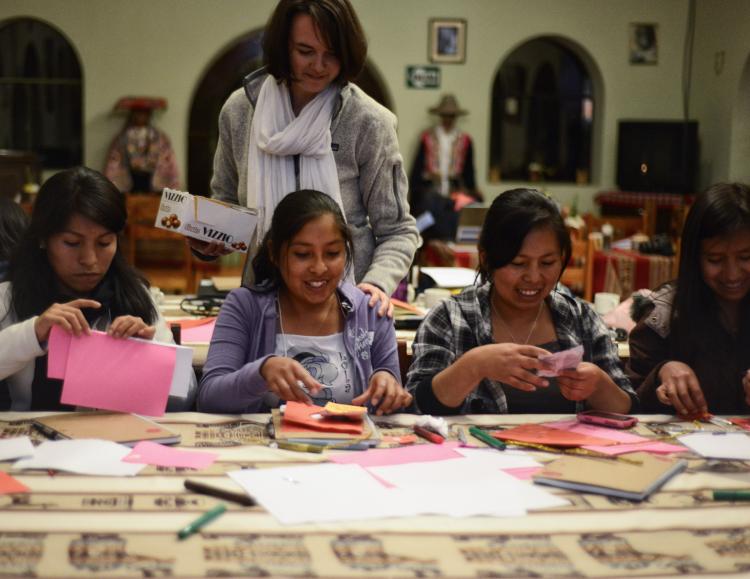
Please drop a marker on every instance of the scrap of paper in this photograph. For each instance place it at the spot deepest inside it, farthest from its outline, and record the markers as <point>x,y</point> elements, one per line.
<point>147,452</point>
<point>84,456</point>
<point>200,332</point>
<point>543,434</point>
<point>131,375</point>
<point>10,485</point>
<point>718,444</point>
<point>564,360</point>
<point>13,448</point>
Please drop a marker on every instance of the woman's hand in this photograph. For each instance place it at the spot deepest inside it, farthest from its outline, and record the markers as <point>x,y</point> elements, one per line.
<point>129,326</point>
<point>286,378</point>
<point>208,248</point>
<point>385,393</point>
<point>511,364</point>
<point>680,388</point>
<point>378,295</point>
<point>68,316</point>
<point>581,382</point>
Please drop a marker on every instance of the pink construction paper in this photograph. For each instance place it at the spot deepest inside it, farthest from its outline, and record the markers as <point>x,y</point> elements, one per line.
<point>648,446</point>
<point>525,472</point>
<point>401,455</point>
<point>114,374</point>
<point>598,431</point>
<point>198,334</point>
<point>58,346</point>
<point>147,452</point>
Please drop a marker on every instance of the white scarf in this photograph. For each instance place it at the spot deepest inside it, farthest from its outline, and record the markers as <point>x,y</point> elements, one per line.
<point>276,135</point>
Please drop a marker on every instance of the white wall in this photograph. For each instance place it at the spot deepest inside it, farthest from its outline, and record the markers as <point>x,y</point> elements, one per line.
<point>163,47</point>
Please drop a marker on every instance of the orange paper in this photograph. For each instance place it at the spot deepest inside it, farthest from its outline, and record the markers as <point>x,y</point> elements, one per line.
<point>344,411</point>
<point>300,418</point>
<point>10,485</point>
<point>540,434</point>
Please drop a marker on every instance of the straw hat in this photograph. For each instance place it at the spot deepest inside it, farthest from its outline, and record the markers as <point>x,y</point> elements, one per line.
<point>448,106</point>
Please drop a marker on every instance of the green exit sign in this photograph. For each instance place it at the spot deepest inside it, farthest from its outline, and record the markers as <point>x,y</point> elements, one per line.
<point>423,77</point>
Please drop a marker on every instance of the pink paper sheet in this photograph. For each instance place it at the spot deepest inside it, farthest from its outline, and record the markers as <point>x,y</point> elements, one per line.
<point>201,333</point>
<point>524,472</point>
<point>628,442</point>
<point>147,452</point>
<point>122,375</point>
<point>57,348</point>
<point>402,455</point>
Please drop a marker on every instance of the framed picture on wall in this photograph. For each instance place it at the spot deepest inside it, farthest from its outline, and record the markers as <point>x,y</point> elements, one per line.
<point>447,40</point>
<point>643,43</point>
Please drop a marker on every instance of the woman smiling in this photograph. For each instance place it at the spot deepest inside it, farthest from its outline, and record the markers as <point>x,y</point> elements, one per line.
<point>479,351</point>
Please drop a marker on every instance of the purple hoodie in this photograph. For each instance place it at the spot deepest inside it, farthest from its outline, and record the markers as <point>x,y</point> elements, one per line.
<point>245,336</point>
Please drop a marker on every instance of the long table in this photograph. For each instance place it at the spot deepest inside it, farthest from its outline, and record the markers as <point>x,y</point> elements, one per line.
<point>80,526</point>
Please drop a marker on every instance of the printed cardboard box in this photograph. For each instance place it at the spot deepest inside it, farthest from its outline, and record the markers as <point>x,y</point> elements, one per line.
<point>206,219</point>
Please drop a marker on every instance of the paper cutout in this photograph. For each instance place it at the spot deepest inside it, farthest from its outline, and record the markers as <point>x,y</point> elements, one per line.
<point>564,360</point>
<point>126,375</point>
<point>9,485</point>
<point>540,434</point>
<point>404,455</point>
<point>344,411</point>
<point>57,348</point>
<point>157,454</point>
<point>299,417</point>
<point>12,448</point>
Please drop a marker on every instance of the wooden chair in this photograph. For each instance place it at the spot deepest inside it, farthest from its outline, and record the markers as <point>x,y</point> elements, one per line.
<point>163,257</point>
<point>579,275</point>
<point>404,359</point>
<point>626,226</point>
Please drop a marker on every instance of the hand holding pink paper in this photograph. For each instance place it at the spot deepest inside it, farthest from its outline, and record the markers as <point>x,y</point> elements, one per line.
<point>565,360</point>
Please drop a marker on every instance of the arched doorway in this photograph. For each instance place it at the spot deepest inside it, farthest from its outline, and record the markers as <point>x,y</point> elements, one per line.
<point>224,76</point>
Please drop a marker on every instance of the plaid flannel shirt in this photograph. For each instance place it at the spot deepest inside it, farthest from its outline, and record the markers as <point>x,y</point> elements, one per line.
<point>464,322</point>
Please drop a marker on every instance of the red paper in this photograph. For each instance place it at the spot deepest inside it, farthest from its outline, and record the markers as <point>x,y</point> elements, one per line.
<point>10,485</point>
<point>298,418</point>
<point>540,434</point>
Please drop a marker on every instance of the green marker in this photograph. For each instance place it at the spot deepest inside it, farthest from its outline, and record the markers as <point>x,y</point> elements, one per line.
<point>732,495</point>
<point>204,519</point>
<point>486,438</point>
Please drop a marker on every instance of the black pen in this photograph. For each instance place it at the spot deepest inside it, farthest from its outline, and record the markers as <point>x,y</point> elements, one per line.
<point>204,489</point>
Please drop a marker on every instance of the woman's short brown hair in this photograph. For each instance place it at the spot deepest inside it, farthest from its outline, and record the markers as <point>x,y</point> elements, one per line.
<point>339,27</point>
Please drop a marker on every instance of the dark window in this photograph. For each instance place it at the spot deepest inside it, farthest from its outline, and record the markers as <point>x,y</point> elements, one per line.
<point>542,115</point>
<point>40,93</point>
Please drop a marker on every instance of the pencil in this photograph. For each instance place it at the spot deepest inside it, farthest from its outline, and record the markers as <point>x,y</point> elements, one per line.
<point>204,489</point>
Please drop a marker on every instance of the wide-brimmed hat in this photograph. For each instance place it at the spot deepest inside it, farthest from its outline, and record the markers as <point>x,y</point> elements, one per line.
<point>448,106</point>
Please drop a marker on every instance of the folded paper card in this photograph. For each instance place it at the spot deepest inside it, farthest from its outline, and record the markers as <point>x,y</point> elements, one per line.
<point>540,434</point>
<point>131,375</point>
<point>126,429</point>
<point>565,360</point>
<point>299,417</point>
<point>607,477</point>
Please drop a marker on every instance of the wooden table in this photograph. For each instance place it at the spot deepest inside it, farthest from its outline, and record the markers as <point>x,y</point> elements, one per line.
<point>79,526</point>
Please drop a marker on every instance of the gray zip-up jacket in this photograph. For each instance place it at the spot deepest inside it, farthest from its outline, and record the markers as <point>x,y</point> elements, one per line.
<point>371,175</point>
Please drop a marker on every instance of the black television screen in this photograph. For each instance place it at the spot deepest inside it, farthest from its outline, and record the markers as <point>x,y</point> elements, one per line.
<point>657,156</point>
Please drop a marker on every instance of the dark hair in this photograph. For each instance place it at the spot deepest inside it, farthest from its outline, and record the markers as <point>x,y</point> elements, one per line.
<point>13,222</point>
<point>720,210</point>
<point>294,212</point>
<point>90,194</point>
<point>339,27</point>
<point>511,217</point>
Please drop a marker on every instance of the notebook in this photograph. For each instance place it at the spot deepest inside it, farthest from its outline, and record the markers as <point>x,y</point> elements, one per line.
<point>127,429</point>
<point>609,477</point>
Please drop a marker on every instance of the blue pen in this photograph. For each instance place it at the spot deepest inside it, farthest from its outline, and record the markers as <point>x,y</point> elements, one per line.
<point>204,519</point>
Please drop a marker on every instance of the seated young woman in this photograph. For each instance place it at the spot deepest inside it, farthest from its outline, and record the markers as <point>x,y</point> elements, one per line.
<point>478,352</point>
<point>302,333</point>
<point>68,271</point>
<point>690,350</point>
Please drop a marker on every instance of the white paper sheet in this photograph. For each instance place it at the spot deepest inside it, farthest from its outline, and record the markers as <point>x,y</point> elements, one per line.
<point>731,445</point>
<point>322,493</point>
<point>12,448</point>
<point>85,456</point>
<point>183,369</point>
<point>451,277</point>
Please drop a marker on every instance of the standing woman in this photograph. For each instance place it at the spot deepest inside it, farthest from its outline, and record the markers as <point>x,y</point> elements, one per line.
<point>68,271</point>
<point>477,353</point>
<point>690,350</point>
<point>299,123</point>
